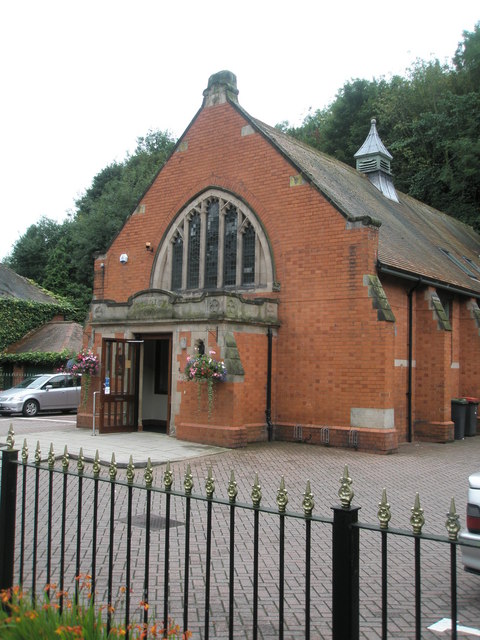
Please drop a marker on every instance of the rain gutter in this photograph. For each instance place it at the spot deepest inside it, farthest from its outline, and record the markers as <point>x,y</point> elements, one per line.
<point>415,277</point>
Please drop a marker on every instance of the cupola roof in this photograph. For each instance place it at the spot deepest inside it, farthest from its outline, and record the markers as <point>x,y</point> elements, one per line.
<point>373,158</point>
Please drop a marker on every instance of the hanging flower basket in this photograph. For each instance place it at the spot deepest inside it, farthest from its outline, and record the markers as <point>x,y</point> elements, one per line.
<point>86,364</point>
<point>204,369</point>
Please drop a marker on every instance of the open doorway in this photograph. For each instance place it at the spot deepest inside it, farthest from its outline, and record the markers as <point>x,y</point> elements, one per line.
<point>155,398</point>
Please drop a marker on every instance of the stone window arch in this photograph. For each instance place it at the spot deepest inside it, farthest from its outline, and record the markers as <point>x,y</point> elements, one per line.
<point>215,243</point>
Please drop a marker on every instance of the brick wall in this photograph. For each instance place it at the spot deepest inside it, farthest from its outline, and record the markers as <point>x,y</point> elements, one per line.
<point>331,353</point>
<point>433,372</point>
<point>469,351</point>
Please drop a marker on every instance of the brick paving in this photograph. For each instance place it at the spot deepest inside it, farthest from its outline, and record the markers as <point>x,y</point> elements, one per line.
<point>436,471</point>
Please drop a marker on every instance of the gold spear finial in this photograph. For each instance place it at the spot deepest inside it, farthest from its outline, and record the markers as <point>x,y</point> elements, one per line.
<point>10,438</point>
<point>256,492</point>
<point>51,457</point>
<point>130,471</point>
<point>282,496</point>
<point>38,454</point>
<point>384,514</point>
<point>210,483</point>
<point>453,522</point>
<point>81,462</point>
<point>65,460</point>
<point>308,502</point>
<point>168,477</point>
<point>24,452</point>
<point>148,474</point>
<point>112,470</point>
<point>417,519</point>
<point>96,465</point>
<point>232,488</point>
<point>345,493</point>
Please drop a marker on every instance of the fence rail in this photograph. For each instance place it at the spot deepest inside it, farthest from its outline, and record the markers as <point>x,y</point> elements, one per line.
<point>205,557</point>
<point>9,379</point>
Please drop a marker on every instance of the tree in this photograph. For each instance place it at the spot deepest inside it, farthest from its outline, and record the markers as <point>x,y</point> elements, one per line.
<point>429,122</point>
<point>60,257</point>
<point>467,60</point>
<point>30,253</point>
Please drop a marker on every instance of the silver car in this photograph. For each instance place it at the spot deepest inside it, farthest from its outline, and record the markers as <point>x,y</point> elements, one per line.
<point>471,555</point>
<point>48,392</point>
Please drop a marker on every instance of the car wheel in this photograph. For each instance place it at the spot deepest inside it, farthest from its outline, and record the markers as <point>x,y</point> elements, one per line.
<point>30,408</point>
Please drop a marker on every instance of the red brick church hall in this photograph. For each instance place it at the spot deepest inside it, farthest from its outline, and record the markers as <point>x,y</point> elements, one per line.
<point>346,312</point>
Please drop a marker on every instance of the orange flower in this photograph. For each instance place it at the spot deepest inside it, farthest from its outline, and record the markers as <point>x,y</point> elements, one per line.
<point>31,614</point>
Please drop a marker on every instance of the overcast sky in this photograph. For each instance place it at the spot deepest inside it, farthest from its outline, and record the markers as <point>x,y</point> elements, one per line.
<point>81,81</point>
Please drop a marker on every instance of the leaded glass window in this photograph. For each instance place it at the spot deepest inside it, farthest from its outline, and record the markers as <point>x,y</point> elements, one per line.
<point>211,248</point>
<point>177,263</point>
<point>193,269</point>
<point>248,256</point>
<point>230,248</point>
<point>215,242</point>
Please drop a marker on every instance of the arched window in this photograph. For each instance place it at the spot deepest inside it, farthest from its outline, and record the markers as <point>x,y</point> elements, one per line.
<point>177,262</point>
<point>193,269</point>
<point>211,245</point>
<point>248,255</point>
<point>230,248</point>
<point>215,243</point>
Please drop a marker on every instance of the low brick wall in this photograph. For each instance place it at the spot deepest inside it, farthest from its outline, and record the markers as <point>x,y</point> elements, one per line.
<point>381,441</point>
<point>216,435</point>
<point>221,436</point>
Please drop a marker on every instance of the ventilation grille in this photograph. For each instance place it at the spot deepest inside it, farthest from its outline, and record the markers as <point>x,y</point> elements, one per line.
<point>367,164</point>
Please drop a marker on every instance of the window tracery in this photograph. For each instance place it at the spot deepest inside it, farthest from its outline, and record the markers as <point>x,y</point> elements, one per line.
<point>215,243</point>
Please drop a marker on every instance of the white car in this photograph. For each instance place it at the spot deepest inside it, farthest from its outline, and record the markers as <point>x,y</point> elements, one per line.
<point>48,392</point>
<point>471,555</point>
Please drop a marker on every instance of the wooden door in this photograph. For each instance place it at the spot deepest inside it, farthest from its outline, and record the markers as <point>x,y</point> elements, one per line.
<point>119,396</point>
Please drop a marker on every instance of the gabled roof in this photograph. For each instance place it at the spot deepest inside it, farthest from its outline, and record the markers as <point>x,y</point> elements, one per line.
<point>412,235</point>
<point>14,286</point>
<point>53,337</point>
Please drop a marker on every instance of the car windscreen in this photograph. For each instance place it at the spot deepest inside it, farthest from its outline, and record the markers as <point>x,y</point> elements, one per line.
<point>32,383</point>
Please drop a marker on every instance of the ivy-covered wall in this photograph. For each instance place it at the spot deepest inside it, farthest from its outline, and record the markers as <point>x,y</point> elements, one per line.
<point>49,360</point>
<point>18,317</point>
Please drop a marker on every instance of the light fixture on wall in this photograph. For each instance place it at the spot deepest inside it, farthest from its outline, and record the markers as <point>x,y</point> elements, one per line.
<point>123,258</point>
<point>148,246</point>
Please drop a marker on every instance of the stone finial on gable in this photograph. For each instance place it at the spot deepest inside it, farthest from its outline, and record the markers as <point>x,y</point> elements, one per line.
<point>221,86</point>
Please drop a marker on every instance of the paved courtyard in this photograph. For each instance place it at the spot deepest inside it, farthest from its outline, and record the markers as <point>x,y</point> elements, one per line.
<point>436,471</point>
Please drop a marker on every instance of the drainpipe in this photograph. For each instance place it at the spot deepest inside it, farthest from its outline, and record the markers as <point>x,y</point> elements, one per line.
<point>268,409</point>
<point>410,358</point>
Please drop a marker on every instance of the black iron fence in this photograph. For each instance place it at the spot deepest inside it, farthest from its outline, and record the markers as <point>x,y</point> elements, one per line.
<point>10,378</point>
<point>216,565</point>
